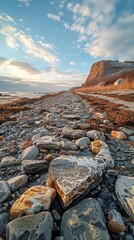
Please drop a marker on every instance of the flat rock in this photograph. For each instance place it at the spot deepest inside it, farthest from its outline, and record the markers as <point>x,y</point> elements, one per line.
<point>124,189</point>
<point>48,142</point>
<point>83,143</point>
<point>30,153</point>
<point>72,176</point>
<point>126,130</point>
<point>8,161</point>
<point>119,135</point>
<point>70,133</point>
<point>4,191</point>
<point>33,227</point>
<point>34,166</point>
<point>32,200</point>
<point>71,116</point>
<point>41,133</point>
<point>84,221</point>
<point>16,182</point>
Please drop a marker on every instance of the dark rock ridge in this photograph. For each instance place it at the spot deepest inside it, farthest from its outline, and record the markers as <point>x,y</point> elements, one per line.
<point>108,71</point>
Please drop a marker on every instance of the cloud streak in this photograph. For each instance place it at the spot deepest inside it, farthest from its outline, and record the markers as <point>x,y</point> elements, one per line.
<point>53,17</point>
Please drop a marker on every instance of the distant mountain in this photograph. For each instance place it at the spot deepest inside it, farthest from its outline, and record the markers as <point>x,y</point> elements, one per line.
<point>107,72</point>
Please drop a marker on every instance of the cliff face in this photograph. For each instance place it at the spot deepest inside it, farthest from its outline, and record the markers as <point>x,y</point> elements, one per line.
<point>109,71</point>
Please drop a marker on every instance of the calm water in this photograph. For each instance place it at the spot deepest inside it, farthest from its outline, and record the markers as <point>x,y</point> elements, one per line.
<point>21,94</point>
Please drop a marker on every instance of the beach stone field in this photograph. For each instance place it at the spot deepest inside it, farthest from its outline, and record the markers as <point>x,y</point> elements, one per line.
<point>61,179</point>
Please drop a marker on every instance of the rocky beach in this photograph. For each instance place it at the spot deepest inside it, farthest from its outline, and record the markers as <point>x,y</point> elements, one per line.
<point>66,171</point>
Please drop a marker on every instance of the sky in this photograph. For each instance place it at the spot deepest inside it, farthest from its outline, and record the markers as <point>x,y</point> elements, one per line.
<point>50,45</point>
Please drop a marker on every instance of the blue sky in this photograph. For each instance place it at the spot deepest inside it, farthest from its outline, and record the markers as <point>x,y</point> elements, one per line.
<point>50,45</point>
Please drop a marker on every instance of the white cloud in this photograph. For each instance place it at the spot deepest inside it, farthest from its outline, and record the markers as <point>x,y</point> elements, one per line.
<point>25,2</point>
<point>22,72</point>
<point>66,25</point>
<point>46,45</point>
<point>77,8</point>
<point>6,18</point>
<point>72,63</point>
<point>115,40</point>
<point>16,39</point>
<point>62,2</point>
<point>61,14</point>
<point>98,28</point>
<point>52,3</point>
<point>53,17</point>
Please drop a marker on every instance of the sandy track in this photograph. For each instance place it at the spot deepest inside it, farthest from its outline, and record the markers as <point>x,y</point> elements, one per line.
<point>128,105</point>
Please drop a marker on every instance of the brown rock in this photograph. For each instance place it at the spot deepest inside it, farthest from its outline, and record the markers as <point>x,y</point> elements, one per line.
<point>32,200</point>
<point>119,135</point>
<point>115,223</point>
<point>96,146</point>
<point>49,157</point>
<point>26,144</point>
<point>1,138</point>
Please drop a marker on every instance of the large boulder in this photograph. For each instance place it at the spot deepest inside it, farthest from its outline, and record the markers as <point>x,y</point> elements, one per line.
<point>33,200</point>
<point>73,176</point>
<point>84,221</point>
<point>33,227</point>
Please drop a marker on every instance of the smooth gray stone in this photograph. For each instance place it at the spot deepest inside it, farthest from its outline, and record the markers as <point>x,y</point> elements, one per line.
<point>4,191</point>
<point>30,153</point>
<point>83,143</point>
<point>4,219</point>
<point>32,227</point>
<point>84,221</point>
<point>34,166</point>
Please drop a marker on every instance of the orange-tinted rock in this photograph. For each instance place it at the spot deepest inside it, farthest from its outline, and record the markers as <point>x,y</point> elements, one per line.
<point>1,138</point>
<point>32,200</point>
<point>26,144</point>
<point>119,135</point>
<point>115,223</point>
<point>96,146</point>
<point>49,157</point>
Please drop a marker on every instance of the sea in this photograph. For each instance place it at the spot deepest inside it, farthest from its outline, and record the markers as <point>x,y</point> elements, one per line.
<point>6,97</point>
